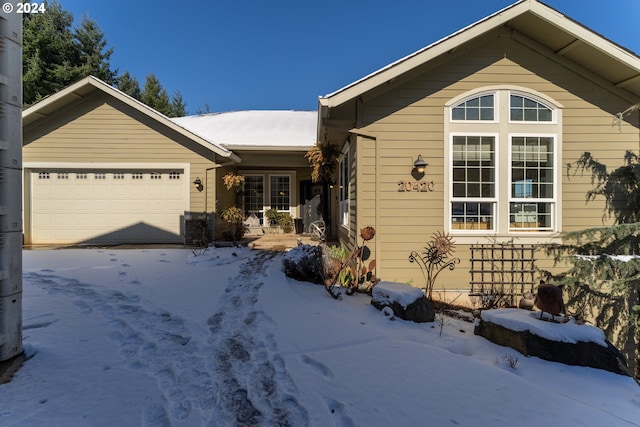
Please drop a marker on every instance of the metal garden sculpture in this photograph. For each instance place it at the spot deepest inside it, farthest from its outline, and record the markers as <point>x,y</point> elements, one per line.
<point>434,259</point>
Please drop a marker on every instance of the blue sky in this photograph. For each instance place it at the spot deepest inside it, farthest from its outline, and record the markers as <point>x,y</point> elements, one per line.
<point>277,54</point>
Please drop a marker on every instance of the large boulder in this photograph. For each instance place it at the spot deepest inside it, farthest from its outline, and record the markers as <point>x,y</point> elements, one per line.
<point>304,263</point>
<point>568,343</point>
<point>407,302</point>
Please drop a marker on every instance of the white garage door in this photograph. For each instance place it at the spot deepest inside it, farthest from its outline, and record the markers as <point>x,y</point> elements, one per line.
<point>107,207</point>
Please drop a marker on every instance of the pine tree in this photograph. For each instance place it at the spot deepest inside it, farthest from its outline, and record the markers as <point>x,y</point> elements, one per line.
<point>93,55</point>
<point>155,96</point>
<point>129,85</point>
<point>178,107</point>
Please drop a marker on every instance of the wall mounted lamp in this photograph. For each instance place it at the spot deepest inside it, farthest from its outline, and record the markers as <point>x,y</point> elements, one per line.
<point>420,165</point>
<point>197,182</point>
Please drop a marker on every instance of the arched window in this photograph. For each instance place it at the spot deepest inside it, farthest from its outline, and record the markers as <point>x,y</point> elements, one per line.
<point>477,108</point>
<point>524,109</point>
<point>503,163</point>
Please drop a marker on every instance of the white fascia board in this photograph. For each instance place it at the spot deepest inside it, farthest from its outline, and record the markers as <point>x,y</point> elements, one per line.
<point>241,148</point>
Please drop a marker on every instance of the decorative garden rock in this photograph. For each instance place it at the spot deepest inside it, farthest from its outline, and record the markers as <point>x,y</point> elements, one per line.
<point>407,302</point>
<point>568,343</point>
<point>304,263</point>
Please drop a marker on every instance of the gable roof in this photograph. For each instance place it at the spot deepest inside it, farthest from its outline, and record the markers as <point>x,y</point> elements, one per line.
<point>269,130</point>
<point>88,86</point>
<point>532,23</point>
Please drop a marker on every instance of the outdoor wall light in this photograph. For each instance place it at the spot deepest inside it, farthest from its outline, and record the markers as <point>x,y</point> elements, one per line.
<point>420,164</point>
<point>197,182</point>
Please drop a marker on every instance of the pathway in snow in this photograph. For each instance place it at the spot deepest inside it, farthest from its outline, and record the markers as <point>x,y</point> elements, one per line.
<point>255,388</point>
<point>234,377</point>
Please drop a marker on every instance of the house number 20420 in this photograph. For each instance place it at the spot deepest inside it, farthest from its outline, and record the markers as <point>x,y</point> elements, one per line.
<point>419,186</point>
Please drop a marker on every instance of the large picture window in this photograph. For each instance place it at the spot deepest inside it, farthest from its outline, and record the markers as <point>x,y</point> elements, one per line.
<point>503,163</point>
<point>532,183</point>
<point>474,182</point>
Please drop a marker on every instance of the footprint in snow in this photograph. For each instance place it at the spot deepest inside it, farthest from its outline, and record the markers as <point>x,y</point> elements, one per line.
<point>318,366</point>
<point>339,412</point>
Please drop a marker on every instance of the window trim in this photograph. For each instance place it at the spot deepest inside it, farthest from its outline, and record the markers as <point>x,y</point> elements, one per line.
<point>552,200</point>
<point>533,97</point>
<point>266,195</point>
<point>493,200</point>
<point>344,186</point>
<point>496,107</point>
<point>504,128</point>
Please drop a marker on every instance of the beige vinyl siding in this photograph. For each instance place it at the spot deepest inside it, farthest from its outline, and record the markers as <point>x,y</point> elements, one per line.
<point>408,120</point>
<point>102,129</point>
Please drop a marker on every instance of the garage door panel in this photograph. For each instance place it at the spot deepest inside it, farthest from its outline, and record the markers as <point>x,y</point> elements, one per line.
<point>107,207</point>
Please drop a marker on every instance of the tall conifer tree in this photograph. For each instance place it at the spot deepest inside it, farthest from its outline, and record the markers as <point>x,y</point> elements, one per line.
<point>603,280</point>
<point>155,95</point>
<point>129,85</point>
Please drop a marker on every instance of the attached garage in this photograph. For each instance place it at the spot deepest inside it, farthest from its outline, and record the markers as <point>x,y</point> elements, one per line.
<point>102,168</point>
<point>108,205</point>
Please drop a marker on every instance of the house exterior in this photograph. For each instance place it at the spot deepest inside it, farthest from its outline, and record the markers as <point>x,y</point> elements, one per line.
<point>102,168</point>
<point>272,146</point>
<point>497,111</point>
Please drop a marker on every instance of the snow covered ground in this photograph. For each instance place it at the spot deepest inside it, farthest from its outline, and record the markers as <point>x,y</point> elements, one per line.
<point>165,338</point>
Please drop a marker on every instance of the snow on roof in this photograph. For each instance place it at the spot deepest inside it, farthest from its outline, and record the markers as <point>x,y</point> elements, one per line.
<point>255,128</point>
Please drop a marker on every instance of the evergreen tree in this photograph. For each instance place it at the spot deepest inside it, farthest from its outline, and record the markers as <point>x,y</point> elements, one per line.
<point>93,56</point>
<point>604,275</point>
<point>129,85</point>
<point>206,110</point>
<point>55,55</point>
<point>155,96</point>
<point>178,107</point>
<point>48,53</point>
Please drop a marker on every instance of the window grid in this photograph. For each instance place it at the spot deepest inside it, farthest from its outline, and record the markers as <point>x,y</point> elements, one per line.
<point>532,184</point>
<point>118,175</point>
<point>254,195</point>
<point>478,108</point>
<point>100,175</point>
<point>63,175</point>
<point>155,175</point>
<point>476,201</point>
<point>81,175</point>
<point>280,192</point>
<point>174,175</point>
<point>524,109</point>
<point>44,175</point>
<point>137,175</point>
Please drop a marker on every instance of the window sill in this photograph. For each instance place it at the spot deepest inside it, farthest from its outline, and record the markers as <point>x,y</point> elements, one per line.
<point>527,238</point>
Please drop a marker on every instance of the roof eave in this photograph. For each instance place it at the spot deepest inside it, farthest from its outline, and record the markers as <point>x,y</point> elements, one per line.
<point>34,112</point>
<point>276,148</point>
